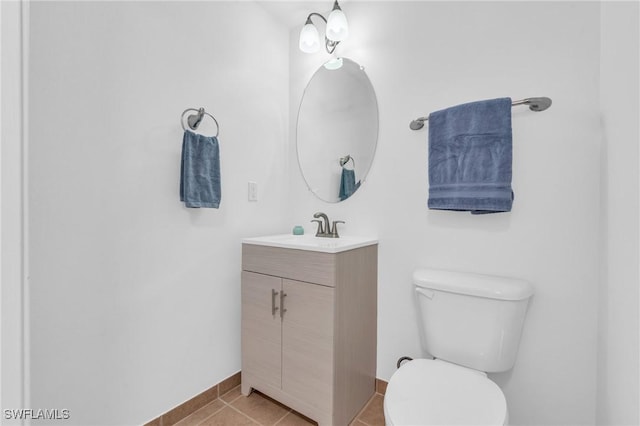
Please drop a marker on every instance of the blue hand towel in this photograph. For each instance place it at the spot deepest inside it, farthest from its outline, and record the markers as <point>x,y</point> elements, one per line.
<point>470,155</point>
<point>348,184</point>
<point>200,171</point>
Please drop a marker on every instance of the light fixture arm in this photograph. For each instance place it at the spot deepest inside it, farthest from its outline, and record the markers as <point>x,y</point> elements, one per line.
<point>329,45</point>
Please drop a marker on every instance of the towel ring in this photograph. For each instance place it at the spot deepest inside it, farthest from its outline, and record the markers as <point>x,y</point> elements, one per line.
<point>344,160</point>
<point>194,120</point>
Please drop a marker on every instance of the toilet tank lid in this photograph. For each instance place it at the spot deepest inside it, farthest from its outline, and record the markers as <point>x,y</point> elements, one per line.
<point>488,286</point>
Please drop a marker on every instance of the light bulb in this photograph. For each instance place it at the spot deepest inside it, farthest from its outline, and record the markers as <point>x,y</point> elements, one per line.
<point>337,26</point>
<point>309,38</point>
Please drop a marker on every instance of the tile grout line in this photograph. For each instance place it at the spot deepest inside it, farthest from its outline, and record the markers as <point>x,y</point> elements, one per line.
<point>246,415</point>
<point>362,421</point>
<point>228,404</point>
<point>224,404</point>
<point>365,408</point>
<point>289,410</point>
<point>209,416</point>
<point>163,418</point>
<point>282,418</point>
<point>233,400</point>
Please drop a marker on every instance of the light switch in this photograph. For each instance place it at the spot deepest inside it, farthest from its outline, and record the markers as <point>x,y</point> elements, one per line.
<point>253,191</point>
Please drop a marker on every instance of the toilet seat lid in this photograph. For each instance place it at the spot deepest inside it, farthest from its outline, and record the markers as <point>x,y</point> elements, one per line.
<point>433,392</point>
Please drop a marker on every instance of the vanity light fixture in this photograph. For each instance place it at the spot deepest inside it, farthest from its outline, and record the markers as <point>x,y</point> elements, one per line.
<point>337,30</point>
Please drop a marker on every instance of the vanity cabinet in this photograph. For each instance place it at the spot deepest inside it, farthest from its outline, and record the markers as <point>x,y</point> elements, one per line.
<point>309,328</point>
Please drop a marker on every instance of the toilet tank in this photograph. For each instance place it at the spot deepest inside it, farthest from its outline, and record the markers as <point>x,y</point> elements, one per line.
<point>471,319</point>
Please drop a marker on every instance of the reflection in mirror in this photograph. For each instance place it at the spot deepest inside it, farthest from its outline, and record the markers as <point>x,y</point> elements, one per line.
<point>337,130</point>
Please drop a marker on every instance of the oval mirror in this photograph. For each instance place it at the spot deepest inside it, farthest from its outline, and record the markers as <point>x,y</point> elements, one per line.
<point>337,130</point>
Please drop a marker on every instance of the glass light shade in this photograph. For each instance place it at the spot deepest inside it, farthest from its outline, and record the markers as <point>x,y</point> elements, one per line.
<point>309,39</point>
<point>337,26</point>
<point>333,64</point>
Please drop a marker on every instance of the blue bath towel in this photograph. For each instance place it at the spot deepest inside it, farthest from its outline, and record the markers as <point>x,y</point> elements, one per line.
<point>200,171</point>
<point>470,157</point>
<point>348,184</point>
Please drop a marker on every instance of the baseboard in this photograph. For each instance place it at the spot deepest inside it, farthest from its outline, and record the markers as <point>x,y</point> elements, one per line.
<point>178,413</point>
<point>381,386</point>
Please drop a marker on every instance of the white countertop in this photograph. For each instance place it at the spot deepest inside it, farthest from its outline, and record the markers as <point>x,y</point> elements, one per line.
<point>312,243</point>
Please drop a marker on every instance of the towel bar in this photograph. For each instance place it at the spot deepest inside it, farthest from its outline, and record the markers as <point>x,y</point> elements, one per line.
<point>194,119</point>
<point>535,104</point>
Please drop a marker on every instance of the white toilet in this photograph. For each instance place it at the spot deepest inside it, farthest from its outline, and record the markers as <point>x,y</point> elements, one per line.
<point>471,325</point>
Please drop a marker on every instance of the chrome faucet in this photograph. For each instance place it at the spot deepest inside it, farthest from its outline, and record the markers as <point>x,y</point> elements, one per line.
<point>324,230</point>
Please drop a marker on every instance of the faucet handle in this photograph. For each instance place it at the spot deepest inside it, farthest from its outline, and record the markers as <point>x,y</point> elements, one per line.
<point>334,228</point>
<point>320,229</point>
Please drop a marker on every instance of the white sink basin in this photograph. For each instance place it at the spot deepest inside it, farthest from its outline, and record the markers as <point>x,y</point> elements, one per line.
<point>311,243</point>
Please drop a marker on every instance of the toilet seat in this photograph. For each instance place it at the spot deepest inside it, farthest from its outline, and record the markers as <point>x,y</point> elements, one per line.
<point>435,392</point>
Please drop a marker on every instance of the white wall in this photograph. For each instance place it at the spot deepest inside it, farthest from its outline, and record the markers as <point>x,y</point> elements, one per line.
<point>618,354</point>
<point>135,299</point>
<point>424,56</point>
<point>11,202</point>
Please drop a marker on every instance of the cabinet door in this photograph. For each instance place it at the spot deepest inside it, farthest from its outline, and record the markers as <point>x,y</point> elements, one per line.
<point>307,343</point>
<point>261,328</point>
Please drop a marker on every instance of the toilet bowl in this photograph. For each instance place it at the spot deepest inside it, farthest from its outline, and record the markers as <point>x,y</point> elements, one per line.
<point>436,392</point>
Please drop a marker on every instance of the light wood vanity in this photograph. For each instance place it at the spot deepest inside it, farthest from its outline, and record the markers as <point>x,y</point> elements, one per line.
<point>309,328</point>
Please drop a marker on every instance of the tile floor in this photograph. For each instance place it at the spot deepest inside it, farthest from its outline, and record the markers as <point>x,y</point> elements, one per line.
<point>234,409</point>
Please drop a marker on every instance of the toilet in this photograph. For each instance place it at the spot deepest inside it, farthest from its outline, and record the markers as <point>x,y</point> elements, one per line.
<point>471,325</point>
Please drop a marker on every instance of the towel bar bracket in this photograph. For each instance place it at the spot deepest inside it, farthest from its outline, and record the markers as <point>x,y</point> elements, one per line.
<point>535,104</point>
